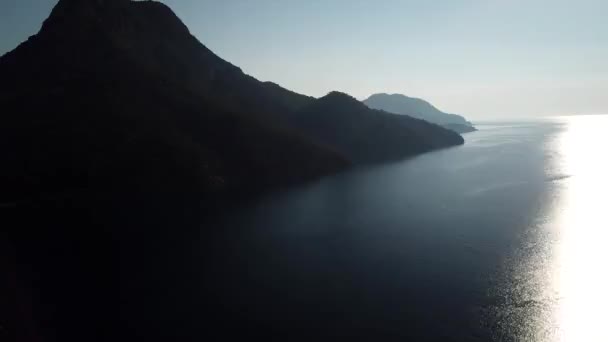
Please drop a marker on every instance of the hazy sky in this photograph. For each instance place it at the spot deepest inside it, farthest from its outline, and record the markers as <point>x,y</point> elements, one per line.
<point>480,58</point>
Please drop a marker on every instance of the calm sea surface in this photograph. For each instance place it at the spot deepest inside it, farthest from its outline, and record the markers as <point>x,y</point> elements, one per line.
<point>502,239</point>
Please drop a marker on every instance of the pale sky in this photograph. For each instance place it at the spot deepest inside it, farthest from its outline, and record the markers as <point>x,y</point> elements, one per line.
<point>480,58</point>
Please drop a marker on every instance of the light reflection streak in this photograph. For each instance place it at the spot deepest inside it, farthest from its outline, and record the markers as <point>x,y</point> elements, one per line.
<point>581,262</point>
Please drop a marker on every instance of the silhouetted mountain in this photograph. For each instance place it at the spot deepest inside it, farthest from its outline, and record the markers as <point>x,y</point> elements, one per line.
<point>420,109</point>
<point>118,95</point>
<point>364,135</point>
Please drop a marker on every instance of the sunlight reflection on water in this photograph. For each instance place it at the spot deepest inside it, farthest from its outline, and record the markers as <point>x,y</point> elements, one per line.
<point>557,280</point>
<point>580,269</point>
<point>557,291</point>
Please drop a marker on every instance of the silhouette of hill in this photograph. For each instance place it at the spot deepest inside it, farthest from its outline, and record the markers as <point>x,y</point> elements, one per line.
<point>364,135</point>
<point>118,95</point>
<point>420,109</point>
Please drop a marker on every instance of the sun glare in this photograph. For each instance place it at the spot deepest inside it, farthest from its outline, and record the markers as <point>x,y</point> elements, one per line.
<point>581,265</point>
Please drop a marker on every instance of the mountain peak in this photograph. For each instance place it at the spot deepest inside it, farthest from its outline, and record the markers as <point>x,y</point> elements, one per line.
<point>395,97</point>
<point>89,3</point>
<point>336,99</point>
<point>81,12</point>
<point>339,96</point>
<point>70,7</point>
<point>336,93</point>
<point>76,18</point>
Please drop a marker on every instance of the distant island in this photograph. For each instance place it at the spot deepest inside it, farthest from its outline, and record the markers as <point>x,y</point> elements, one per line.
<point>420,109</point>
<point>117,95</point>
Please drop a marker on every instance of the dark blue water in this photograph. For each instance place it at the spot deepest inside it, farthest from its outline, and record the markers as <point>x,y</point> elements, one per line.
<point>463,244</point>
<point>502,239</point>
